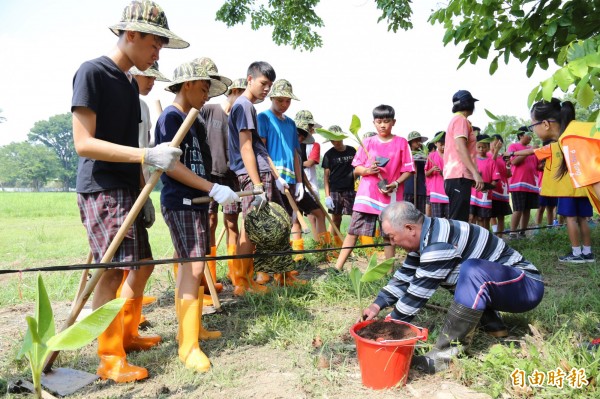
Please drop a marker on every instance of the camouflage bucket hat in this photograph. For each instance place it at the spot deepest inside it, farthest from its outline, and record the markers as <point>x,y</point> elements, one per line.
<point>282,88</point>
<point>148,17</point>
<point>151,72</point>
<point>416,135</point>
<point>189,72</point>
<point>305,118</point>
<point>241,83</point>
<point>211,67</point>
<point>338,131</point>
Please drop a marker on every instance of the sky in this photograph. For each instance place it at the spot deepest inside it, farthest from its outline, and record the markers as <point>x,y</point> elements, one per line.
<point>360,65</point>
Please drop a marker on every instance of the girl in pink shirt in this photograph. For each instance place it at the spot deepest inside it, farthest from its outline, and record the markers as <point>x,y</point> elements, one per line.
<point>481,201</point>
<point>435,178</point>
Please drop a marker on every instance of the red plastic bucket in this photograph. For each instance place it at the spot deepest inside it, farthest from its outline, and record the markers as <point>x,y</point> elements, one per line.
<point>385,364</point>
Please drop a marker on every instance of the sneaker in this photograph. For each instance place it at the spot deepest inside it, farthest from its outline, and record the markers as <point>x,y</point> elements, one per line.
<point>570,258</point>
<point>590,258</point>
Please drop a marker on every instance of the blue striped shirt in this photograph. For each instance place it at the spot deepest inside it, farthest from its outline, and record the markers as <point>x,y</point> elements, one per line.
<point>445,244</point>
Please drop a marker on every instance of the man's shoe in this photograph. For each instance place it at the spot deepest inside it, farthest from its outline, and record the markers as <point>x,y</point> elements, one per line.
<point>571,258</point>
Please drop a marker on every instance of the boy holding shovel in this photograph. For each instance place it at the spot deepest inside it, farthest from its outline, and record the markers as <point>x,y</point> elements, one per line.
<point>106,115</point>
<point>188,222</point>
<point>384,164</point>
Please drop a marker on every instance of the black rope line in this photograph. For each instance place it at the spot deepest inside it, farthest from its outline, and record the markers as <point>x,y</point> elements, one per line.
<point>150,262</point>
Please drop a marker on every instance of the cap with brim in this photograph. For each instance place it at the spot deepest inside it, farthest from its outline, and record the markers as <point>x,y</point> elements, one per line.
<point>484,138</point>
<point>241,83</point>
<point>416,135</point>
<point>151,72</point>
<point>282,88</point>
<point>212,69</point>
<point>148,17</point>
<point>189,72</point>
<point>306,117</point>
<point>440,136</point>
<point>462,95</point>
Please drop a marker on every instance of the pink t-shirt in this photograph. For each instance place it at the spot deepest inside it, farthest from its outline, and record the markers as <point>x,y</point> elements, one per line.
<point>454,168</point>
<point>368,197</point>
<point>500,192</point>
<point>524,176</point>
<point>489,173</point>
<point>435,181</point>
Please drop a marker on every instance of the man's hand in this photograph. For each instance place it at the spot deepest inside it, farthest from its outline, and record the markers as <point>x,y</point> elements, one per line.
<point>223,194</point>
<point>299,194</point>
<point>162,156</point>
<point>281,184</point>
<point>371,312</point>
<point>148,213</point>
<point>329,203</point>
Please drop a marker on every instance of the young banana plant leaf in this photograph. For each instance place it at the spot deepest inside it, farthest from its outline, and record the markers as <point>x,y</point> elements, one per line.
<point>374,272</point>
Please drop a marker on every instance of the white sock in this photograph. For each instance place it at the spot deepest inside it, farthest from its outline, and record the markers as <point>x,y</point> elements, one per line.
<point>576,251</point>
<point>587,250</point>
<point>494,228</point>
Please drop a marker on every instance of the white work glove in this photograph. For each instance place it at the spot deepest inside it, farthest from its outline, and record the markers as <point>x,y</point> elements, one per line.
<point>148,214</point>
<point>162,156</point>
<point>223,194</point>
<point>281,184</point>
<point>329,203</point>
<point>299,194</point>
<point>260,199</point>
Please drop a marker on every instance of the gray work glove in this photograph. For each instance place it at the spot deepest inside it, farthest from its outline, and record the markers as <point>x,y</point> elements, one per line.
<point>223,194</point>
<point>148,214</point>
<point>329,203</point>
<point>260,199</point>
<point>162,156</point>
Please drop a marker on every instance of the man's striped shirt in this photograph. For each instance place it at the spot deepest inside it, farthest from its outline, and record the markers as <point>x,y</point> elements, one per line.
<point>445,244</point>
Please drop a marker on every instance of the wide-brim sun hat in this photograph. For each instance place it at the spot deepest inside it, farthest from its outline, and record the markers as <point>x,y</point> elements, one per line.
<point>282,88</point>
<point>307,138</point>
<point>191,71</point>
<point>414,135</point>
<point>147,17</point>
<point>151,72</point>
<point>240,83</point>
<point>212,69</point>
<point>306,117</point>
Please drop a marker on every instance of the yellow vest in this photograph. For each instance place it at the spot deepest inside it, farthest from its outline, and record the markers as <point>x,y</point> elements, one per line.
<point>562,187</point>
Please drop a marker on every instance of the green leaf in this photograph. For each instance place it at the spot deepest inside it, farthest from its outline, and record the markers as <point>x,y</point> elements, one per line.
<point>28,340</point>
<point>33,329</point>
<point>548,87</point>
<point>585,96</point>
<point>43,312</point>
<point>594,115</point>
<point>328,135</point>
<point>86,330</point>
<point>593,60</point>
<point>500,126</point>
<point>578,67</point>
<point>551,29</point>
<point>376,271</point>
<point>564,78</point>
<point>492,116</point>
<point>355,125</point>
<point>493,66</point>
<point>533,95</point>
<point>355,276</point>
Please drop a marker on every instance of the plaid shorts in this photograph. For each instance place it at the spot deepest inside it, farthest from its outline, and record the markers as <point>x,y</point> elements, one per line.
<point>102,213</point>
<point>522,200</point>
<point>480,212</point>
<point>306,205</point>
<point>421,201</point>
<point>189,231</point>
<point>343,202</point>
<point>500,208</point>
<point>235,208</point>
<point>269,188</point>
<point>363,224</point>
<point>439,210</point>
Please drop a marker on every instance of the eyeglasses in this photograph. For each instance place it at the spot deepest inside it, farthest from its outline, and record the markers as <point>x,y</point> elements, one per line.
<point>530,127</point>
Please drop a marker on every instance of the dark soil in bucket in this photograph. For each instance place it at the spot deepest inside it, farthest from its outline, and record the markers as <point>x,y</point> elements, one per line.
<point>386,330</point>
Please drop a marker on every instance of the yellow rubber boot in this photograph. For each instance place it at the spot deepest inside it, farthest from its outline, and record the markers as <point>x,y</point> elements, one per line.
<point>212,266</point>
<point>288,279</point>
<point>113,360</point>
<point>298,245</point>
<point>231,250</point>
<point>238,275</point>
<point>189,351</point>
<point>366,240</point>
<point>132,341</point>
<point>325,242</point>
<point>204,334</point>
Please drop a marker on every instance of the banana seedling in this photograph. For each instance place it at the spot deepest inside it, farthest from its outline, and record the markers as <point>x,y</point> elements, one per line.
<point>374,272</point>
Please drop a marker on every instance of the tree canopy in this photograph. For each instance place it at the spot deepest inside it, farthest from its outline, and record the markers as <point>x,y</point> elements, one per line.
<point>27,164</point>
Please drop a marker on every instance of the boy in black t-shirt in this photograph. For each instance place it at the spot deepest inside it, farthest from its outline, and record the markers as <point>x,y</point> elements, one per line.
<point>339,181</point>
<point>106,114</point>
<point>188,222</point>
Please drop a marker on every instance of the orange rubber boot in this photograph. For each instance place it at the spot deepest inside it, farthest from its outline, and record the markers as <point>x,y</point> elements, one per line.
<point>190,311</point>
<point>298,245</point>
<point>212,266</point>
<point>132,341</point>
<point>338,241</point>
<point>204,334</point>
<point>231,250</point>
<point>325,242</point>
<point>253,286</point>
<point>288,279</point>
<point>125,274</point>
<point>147,300</point>
<point>262,278</point>
<point>113,360</point>
<point>366,240</point>
<point>239,278</point>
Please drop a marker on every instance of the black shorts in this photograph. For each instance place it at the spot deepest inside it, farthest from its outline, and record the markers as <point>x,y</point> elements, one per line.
<point>478,211</point>
<point>459,197</point>
<point>522,200</point>
<point>500,208</point>
<point>421,201</point>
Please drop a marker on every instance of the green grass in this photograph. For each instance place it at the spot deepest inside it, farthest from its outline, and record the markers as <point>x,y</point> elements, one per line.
<point>44,230</point>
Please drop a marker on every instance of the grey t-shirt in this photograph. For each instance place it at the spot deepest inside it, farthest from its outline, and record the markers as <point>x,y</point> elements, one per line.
<point>216,126</point>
